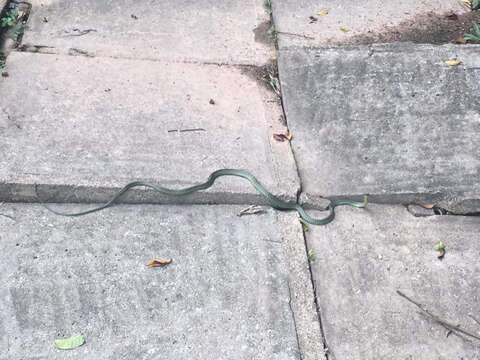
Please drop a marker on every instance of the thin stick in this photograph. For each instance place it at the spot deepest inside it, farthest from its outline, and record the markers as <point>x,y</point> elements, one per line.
<point>444,323</point>
<point>295,34</point>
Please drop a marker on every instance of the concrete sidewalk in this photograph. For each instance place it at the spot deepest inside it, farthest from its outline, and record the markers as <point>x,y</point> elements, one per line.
<point>363,258</point>
<point>233,290</point>
<point>191,31</point>
<point>101,93</point>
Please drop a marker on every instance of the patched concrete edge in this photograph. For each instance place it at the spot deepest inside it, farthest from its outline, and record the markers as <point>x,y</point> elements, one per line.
<point>458,203</point>
<point>302,295</point>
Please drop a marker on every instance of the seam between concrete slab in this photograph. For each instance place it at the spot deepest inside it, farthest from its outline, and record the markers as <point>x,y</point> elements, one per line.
<point>284,114</point>
<point>294,319</point>
<point>328,355</point>
<point>305,330</point>
<point>50,50</point>
<point>302,295</point>
<point>44,50</point>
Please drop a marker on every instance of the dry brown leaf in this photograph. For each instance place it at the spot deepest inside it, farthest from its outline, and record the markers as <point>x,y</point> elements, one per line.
<point>159,262</point>
<point>453,62</point>
<point>468,3</point>
<point>344,29</point>
<point>323,12</point>
<point>282,137</point>
<point>460,40</point>
<point>427,206</point>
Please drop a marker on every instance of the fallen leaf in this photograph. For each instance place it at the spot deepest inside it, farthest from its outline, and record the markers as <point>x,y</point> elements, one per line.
<point>344,29</point>
<point>159,263</point>
<point>323,12</point>
<point>251,210</point>
<point>440,247</point>
<point>453,62</point>
<point>311,255</point>
<point>460,40</point>
<point>282,137</point>
<point>427,206</point>
<point>467,2</point>
<point>70,343</point>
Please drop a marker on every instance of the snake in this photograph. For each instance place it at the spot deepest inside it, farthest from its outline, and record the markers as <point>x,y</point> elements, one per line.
<point>272,200</point>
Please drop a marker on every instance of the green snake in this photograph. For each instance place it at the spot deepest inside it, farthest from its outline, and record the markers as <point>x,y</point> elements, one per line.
<point>272,200</point>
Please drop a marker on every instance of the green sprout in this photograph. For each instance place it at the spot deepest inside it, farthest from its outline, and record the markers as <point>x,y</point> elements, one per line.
<point>475,33</point>
<point>9,19</point>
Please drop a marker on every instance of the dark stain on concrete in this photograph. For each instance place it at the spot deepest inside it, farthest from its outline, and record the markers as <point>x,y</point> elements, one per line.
<point>260,73</point>
<point>427,28</point>
<point>262,33</point>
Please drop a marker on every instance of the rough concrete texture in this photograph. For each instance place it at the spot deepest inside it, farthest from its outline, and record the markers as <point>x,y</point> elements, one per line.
<point>83,127</point>
<point>395,122</point>
<point>188,30</point>
<point>356,21</point>
<point>225,296</point>
<point>309,335</point>
<point>365,256</point>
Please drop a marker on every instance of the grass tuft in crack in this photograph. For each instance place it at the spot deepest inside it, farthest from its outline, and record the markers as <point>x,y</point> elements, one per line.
<point>9,19</point>
<point>474,35</point>
<point>267,4</point>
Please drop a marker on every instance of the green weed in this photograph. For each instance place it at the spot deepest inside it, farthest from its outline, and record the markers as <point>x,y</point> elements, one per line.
<point>267,4</point>
<point>9,19</point>
<point>474,35</point>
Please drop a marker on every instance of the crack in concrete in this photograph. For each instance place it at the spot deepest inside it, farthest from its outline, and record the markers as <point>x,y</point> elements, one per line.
<point>328,355</point>
<point>294,319</point>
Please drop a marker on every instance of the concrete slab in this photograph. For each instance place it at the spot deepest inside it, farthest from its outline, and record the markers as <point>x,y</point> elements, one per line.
<point>367,21</point>
<point>395,122</point>
<point>83,127</point>
<point>365,256</point>
<point>225,296</point>
<point>206,30</point>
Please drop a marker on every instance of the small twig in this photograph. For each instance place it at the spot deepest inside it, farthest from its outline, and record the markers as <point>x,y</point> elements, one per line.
<point>76,51</point>
<point>294,34</point>
<point>444,323</point>
<point>186,130</point>
<point>78,32</point>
